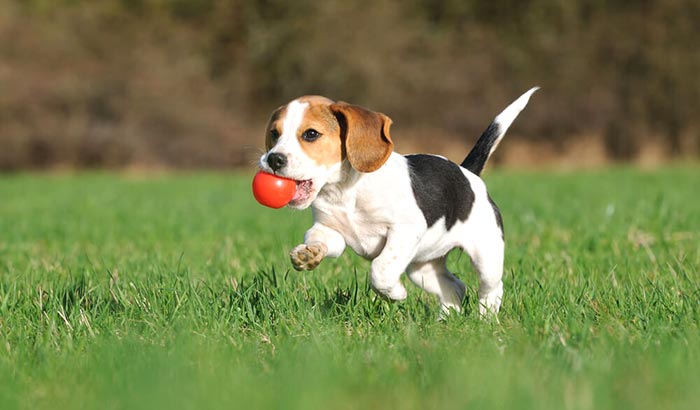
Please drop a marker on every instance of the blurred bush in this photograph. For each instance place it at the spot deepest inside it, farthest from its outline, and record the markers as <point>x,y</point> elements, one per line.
<point>188,83</point>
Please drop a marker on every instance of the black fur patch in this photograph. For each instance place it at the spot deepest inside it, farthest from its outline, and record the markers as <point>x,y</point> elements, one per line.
<point>499,218</point>
<point>478,156</point>
<point>440,188</point>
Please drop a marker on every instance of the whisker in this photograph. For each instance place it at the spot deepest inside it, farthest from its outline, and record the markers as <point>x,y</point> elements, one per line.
<point>252,154</point>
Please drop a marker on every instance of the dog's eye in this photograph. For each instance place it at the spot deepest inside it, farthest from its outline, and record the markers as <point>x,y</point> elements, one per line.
<point>274,135</point>
<point>310,135</point>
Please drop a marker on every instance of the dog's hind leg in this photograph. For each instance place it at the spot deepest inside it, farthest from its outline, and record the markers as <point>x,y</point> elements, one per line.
<point>487,258</point>
<point>434,278</point>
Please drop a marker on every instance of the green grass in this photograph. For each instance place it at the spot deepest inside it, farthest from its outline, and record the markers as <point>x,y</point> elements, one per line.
<point>174,291</point>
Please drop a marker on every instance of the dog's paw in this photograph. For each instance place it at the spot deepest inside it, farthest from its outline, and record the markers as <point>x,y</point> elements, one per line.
<point>308,257</point>
<point>394,292</point>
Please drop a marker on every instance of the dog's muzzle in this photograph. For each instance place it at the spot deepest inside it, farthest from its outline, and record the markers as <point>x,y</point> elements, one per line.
<point>276,161</point>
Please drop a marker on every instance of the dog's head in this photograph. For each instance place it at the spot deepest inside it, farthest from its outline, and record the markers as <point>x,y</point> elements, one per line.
<point>310,138</point>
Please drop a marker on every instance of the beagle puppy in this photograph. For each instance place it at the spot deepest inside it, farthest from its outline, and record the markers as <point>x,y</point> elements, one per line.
<point>404,213</point>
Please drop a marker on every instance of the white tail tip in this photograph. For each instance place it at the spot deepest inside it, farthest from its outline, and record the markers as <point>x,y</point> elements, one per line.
<point>505,118</point>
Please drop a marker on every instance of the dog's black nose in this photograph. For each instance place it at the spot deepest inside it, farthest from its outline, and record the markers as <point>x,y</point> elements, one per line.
<point>276,161</point>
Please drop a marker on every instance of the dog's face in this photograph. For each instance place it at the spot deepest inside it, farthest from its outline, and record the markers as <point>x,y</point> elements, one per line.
<point>310,138</point>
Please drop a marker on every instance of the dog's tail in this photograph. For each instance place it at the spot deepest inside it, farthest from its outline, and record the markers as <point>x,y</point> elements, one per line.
<point>493,135</point>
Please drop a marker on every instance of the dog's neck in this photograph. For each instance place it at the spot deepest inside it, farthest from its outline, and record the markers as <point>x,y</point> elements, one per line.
<point>349,182</point>
<point>339,187</point>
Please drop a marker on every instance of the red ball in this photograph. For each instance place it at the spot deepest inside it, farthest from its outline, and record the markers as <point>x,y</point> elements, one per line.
<point>273,191</point>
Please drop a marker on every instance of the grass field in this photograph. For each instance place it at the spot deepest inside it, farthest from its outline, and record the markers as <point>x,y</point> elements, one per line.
<point>174,291</point>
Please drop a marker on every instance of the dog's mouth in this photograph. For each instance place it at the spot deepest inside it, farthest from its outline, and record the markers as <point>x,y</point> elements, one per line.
<point>303,193</point>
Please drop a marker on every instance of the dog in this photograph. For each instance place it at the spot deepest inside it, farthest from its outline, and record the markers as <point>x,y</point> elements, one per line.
<point>403,213</point>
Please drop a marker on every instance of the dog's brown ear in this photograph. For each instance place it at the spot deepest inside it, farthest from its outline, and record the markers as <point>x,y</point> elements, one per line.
<point>365,134</point>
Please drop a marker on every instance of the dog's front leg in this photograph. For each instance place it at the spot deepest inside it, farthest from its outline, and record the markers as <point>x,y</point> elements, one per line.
<point>387,268</point>
<point>319,241</point>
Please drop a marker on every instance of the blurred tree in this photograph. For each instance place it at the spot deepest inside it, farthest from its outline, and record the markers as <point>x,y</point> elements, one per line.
<point>188,82</point>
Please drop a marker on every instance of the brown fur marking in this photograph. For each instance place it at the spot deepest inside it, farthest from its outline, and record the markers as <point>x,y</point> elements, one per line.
<point>273,125</point>
<point>328,149</point>
<point>367,140</point>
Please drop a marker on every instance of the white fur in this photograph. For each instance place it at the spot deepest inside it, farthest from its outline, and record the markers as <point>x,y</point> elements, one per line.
<point>298,163</point>
<point>507,116</point>
<point>376,215</point>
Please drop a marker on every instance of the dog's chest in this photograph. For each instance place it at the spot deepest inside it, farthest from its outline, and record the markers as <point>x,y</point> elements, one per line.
<point>362,229</point>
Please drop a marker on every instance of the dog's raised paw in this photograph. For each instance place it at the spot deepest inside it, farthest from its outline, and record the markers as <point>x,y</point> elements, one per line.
<point>307,257</point>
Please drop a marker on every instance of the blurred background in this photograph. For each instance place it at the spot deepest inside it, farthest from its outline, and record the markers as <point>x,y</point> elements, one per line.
<point>190,83</point>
